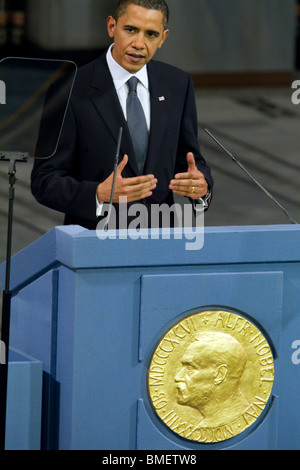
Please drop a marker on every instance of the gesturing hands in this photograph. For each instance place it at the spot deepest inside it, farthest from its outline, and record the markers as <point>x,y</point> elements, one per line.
<point>134,189</point>
<point>191,184</point>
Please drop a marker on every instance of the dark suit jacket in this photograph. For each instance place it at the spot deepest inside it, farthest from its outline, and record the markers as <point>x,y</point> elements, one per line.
<point>68,181</point>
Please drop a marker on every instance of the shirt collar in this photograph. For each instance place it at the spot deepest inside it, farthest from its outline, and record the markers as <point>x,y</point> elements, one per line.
<point>121,76</point>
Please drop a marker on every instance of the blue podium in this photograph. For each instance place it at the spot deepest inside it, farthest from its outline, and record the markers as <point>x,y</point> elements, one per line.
<point>24,402</point>
<point>94,311</point>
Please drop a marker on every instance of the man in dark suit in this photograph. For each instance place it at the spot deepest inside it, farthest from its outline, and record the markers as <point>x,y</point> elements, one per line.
<point>77,180</point>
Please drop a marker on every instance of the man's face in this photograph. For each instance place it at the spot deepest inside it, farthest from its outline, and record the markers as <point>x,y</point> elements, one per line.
<point>195,380</point>
<point>137,35</point>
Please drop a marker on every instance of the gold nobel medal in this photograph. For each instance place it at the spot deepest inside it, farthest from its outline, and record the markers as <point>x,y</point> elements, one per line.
<point>211,376</point>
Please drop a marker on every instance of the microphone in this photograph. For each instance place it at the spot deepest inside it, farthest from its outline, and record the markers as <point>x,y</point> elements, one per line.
<point>291,219</point>
<point>116,163</point>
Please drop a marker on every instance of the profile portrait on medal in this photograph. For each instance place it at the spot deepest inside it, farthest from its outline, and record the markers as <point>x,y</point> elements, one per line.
<point>209,379</point>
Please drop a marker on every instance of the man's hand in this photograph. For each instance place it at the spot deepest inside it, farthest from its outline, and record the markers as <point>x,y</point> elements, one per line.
<point>134,189</point>
<point>191,184</point>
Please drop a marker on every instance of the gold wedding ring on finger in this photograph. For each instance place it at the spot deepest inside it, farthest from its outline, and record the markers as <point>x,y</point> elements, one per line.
<point>193,190</point>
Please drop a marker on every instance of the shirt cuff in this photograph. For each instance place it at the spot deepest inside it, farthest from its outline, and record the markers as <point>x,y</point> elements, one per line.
<point>99,206</point>
<point>202,203</point>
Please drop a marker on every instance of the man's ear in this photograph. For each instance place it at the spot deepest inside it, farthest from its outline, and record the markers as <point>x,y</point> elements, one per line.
<point>164,37</point>
<point>221,374</point>
<point>111,26</point>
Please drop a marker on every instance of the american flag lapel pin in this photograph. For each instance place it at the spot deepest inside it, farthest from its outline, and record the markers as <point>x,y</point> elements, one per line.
<point>162,98</point>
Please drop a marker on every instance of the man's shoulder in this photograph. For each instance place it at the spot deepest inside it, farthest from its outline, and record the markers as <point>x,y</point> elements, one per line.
<point>89,68</point>
<point>168,68</point>
<point>168,71</point>
<point>91,73</point>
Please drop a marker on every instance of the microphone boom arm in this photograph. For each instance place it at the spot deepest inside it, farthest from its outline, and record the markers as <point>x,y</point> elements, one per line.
<point>116,162</point>
<point>291,219</point>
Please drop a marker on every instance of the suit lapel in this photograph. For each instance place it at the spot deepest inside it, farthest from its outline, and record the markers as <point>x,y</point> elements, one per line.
<point>106,101</point>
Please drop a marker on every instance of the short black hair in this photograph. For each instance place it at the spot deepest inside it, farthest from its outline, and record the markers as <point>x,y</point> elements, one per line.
<point>149,4</point>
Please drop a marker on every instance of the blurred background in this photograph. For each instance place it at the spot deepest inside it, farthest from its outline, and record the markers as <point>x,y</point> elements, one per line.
<point>243,56</point>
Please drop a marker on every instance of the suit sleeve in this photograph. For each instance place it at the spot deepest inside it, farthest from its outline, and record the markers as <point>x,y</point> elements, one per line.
<point>188,138</point>
<point>55,182</point>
